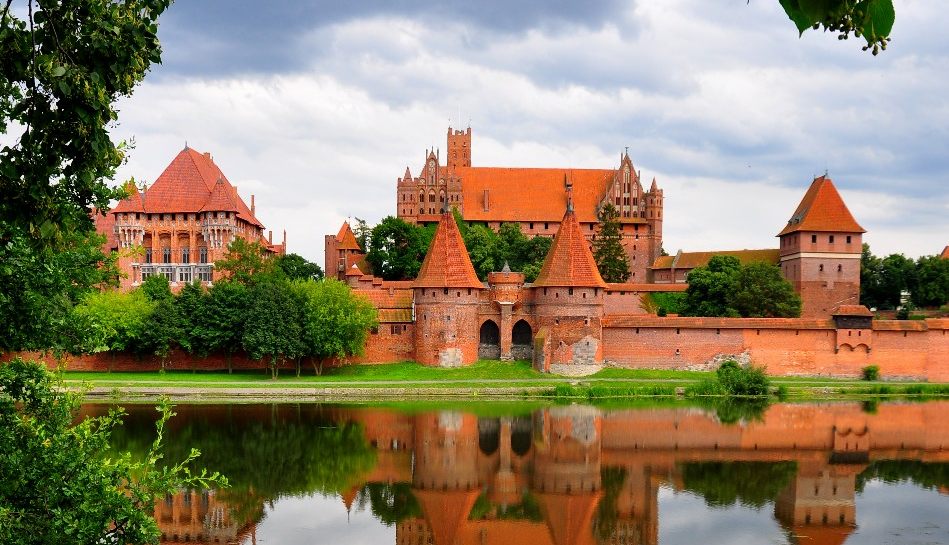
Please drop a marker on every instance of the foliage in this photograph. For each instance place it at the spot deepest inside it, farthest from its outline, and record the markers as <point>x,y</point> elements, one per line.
<point>490,251</point>
<point>273,327</point>
<point>669,301</point>
<point>931,476</point>
<point>219,325</point>
<point>295,267</point>
<point>244,260</point>
<point>727,288</point>
<point>732,379</point>
<point>869,19</point>
<point>335,321</point>
<point>607,511</point>
<point>397,248</point>
<point>111,320</point>
<point>882,280</point>
<point>724,484</point>
<point>59,483</point>
<point>164,332</point>
<point>611,258</point>
<point>392,503</point>
<point>871,372</point>
<point>362,232</point>
<point>62,72</point>
<point>932,281</point>
<point>156,288</point>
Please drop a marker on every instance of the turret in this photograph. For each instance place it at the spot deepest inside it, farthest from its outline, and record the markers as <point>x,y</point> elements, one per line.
<point>459,148</point>
<point>447,293</point>
<point>654,206</point>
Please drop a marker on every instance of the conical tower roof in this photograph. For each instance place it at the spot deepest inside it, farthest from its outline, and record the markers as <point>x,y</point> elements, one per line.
<point>822,209</point>
<point>346,238</point>
<point>570,263</point>
<point>446,512</point>
<point>447,264</point>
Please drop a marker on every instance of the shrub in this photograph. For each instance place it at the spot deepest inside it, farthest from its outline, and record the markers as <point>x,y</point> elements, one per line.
<point>871,372</point>
<point>743,381</point>
<point>661,312</point>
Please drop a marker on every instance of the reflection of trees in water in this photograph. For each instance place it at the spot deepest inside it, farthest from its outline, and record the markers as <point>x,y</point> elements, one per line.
<point>731,410</point>
<point>527,509</point>
<point>391,503</point>
<point>931,476</point>
<point>724,484</point>
<point>604,525</point>
<point>265,454</point>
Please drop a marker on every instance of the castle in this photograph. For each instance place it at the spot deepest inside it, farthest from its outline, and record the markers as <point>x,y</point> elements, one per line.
<point>570,316</point>
<point>183,222</point>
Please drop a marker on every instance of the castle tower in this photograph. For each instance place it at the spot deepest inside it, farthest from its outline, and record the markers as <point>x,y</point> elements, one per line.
<point>447,293</point>
<point>407,197</point>
<point>654,206</point>
<point>341,252</point>
<point>819,505</point>
<point>459,148</point>
<point>568,297</point>
<point>820,251</point>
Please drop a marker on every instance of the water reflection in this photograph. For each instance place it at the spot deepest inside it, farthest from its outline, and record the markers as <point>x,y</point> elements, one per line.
<point>563,475</point>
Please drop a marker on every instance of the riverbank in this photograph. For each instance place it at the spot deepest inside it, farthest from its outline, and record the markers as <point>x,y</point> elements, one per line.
<point>483,381</point>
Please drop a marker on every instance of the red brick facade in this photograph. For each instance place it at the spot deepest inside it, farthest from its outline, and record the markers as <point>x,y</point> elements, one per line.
<point>181,224</point>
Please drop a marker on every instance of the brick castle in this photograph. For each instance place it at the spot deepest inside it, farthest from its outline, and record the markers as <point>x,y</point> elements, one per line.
<point>570,316</point>
<point>181,224</point>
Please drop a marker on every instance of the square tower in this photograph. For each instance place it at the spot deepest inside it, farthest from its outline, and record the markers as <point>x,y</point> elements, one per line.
<point>820,251</point>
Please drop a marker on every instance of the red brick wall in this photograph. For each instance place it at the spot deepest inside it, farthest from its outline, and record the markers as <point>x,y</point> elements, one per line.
<point>446,326</point>
<point>573,319</point>
<point>391,343</point>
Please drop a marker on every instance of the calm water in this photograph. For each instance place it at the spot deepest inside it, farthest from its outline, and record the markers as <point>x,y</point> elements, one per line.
<point>800,474</point>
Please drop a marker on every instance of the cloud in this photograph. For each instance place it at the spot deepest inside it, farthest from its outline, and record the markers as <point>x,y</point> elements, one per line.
<point>317,110</point>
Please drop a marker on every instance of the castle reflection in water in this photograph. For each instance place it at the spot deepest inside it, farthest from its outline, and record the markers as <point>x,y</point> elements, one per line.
<point>579,475</point>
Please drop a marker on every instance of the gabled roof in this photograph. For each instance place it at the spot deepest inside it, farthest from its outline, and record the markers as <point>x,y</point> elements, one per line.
<point>187,185</point>
<point>346,238</point>
<point>822,209</point>
<point>220,199</point>
<point>945,253</point>
<point>447,264</point>
<point>569,263</point>
<point>353,271</point>
<point>852,310</point>
<point>531,194</point>
<point>691,260</point>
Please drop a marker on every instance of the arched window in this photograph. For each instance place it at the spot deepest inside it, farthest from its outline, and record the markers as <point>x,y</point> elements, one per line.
<point>441,196</point>
<point>489,341</point>
<point>431,196</point>
<point>521,333</point>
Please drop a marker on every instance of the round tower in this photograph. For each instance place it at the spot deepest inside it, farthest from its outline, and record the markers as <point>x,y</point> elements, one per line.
<point>446,294</point>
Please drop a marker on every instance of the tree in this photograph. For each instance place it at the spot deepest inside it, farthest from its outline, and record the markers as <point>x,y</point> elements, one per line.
<point>273,326</point>
<point>189,305</point>
<point>397,248</point>
<point>726,288</point>
<point>760,291</point>
<point>871,293</point>
<point>220,324</point>
<point>869,19</point>
<point>243,261</point>
<point>111,321</point>
<point>295,267</point>
<point>63,69</point>
<point>165,331</point>
<point>60,482</point>
<point>484,249</point>
<point>709,288</point>
<point>363,233</point>
<point>156,288</point>
<point>335,322</point>
<point>608,252</point>
<point>932,281</point>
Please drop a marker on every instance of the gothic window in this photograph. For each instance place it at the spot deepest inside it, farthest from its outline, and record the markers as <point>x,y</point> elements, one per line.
<point>186,255</point>
<point>148,255</point>
<point>166,255</point>
<point>202,255</point>
<point>431,196</point>
<point>441,196</point>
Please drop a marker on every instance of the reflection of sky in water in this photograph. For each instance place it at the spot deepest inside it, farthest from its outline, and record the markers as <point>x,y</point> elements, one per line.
<point>320,519</point>
<point>897,514</point>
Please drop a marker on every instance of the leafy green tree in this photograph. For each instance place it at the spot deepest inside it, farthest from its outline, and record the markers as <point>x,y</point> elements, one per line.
<point>62,70</point>
<point>363,233</point>
<point>156,288</point>
<point>220,324</point>
<point>611,258</point>
<point>868,19</point>
<point>165,331</point>
<point>760,291</point>
<point>59,480</point>
<point>710,286</point>
<point>871,292</point>
<point>335,321</point>
<point>484,249</point>
<point>751,484</point>
<point>111,321</point>
<point>932,281</point>
<point>397,248</point>
<point>273,328</point>
<point>726,288</point>
<point>244,261</point>
<point>295,267</point>
<point>189,304</point>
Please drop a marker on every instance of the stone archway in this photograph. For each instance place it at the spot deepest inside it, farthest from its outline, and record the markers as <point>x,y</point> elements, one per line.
<point>522,341</point>
<point>489,341</point>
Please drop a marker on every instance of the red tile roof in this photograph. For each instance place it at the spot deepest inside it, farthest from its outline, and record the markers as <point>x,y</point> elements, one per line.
<point>637,320</point>
<point>569,263</point>
<point>186,185</point>
<point>354,271</point>
<point>105,226</point>
<point>531,194</point>
<point>852,310</point>
<point>691,260</point>
<point>822,209</point>
<point>346,238</point>
<point>945,253</point>
<point>646,287</point>
<point>447,264</point>
<point>220,199</point>
<point>133,203</point>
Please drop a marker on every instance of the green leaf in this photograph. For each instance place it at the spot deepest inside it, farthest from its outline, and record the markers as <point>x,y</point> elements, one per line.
<point>800,19</point>
<point>879,18</point>
<point>59,71</point>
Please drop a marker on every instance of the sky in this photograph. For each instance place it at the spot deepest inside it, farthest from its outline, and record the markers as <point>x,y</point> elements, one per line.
<point>318,107</point>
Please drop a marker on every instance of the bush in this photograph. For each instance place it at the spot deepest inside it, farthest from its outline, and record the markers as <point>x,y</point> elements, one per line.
<point>871,372</point>
<point>743,381</point>
<point>661,312</point>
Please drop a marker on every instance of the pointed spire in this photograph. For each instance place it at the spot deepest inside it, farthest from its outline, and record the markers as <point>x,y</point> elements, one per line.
<point>569,263</point>
<point>354,271</point>
<point>822,209</point>
<point>568,187</point>
<point>507,268</point>
<point>654,185</point>
<point>408,175</point>
<point>346,238</point>
<point>447,264</point>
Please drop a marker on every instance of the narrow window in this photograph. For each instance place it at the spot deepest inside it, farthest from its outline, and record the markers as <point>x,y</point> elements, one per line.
<point>813,238</point>
<point>848,239</point>
<point>831,239</point>
<point>820,267</point>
